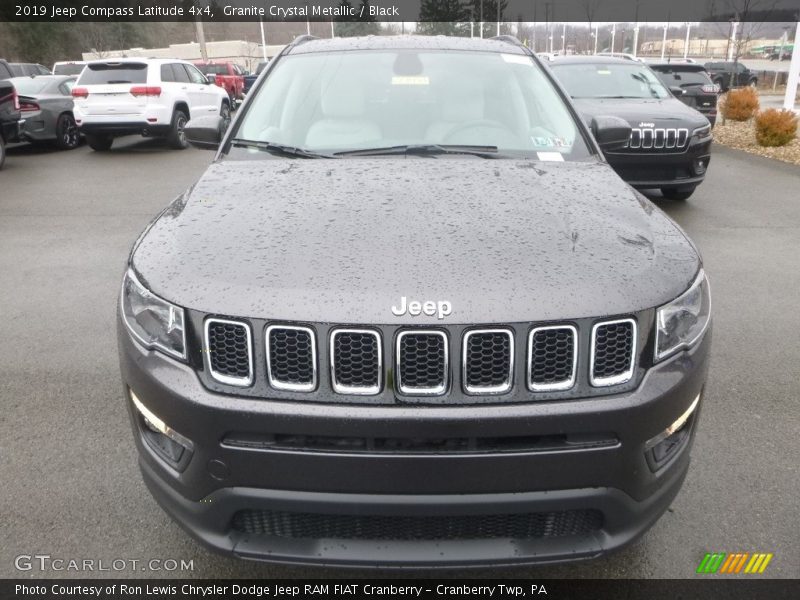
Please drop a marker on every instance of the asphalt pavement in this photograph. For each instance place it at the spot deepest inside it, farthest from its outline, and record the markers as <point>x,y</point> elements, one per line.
<point>69,482</point>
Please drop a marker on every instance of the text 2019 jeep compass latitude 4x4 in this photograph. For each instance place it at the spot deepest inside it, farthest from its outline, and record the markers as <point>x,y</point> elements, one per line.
<point>427,325</point>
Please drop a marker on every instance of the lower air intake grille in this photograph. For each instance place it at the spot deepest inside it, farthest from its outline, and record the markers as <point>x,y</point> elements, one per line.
<point>488,361</point>
<point>357,364</point>
<point>422,362</point>
<point>291,358</point>
<point>551,356</point>
<point>613,351</point>
<point>366,527</point>
<point>229,351</point>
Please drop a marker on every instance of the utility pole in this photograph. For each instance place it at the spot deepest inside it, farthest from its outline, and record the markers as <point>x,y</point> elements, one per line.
<point>686,44</point>
<point>596,35</point>
<point>664,40</point>
<point>794,73</point>
<point>263,40</point>
<point>564,40</point>
<point>201,38</point>
<point>635,38</point>
<point>481,19</point>
<point>732,45</point>
<point>613,37</point>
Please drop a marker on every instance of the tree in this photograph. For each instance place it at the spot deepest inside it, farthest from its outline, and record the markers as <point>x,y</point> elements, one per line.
<point>443,17</point>
<point>362,24</point>
<point>488,11</point>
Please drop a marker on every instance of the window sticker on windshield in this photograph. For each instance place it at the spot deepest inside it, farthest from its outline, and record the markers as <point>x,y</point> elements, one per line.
<point>549,142</point>
<point>556,156</point>
<point>411,80</point>
<point>516,59</point>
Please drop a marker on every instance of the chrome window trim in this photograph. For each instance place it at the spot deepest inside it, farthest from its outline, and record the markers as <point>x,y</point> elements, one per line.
<point>487,389</point>
<point>561,385</point>
<point>282,385</point>
<point>228,379</point>
<point>614,379</point>
<point>356,390</point>
<point>422,391</point>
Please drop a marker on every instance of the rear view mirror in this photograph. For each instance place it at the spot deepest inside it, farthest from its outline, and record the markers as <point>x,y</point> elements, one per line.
<point>205,132</point>
<point>611,132</point>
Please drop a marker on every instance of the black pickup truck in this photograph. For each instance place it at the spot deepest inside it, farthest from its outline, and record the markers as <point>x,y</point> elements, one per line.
<point>720,73</point>
<point>9,110</point>
<point>250,79</point>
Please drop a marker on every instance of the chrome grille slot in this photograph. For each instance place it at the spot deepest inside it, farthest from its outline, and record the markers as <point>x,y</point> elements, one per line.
<point>356,361</point>
<point>552,358</point>
<point>229,351</point>
<point>613,352</point>
<point>488,361</point>
<point>649,138</point>
<point>422,362</point>
<point>291,358</point>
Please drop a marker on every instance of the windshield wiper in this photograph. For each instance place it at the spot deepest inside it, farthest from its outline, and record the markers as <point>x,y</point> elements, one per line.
<point>425,150</point>
<point>279,149</point>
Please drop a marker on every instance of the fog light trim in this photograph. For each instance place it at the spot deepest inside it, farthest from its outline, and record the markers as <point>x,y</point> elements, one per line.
<point>675,426</point>
<point>158,424</point>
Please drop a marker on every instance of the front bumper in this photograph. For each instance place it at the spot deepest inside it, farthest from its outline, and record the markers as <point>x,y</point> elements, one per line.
<point>644,170</point>
<point>215,481</point>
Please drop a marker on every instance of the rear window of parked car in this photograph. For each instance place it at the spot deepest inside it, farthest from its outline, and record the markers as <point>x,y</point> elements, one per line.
<point>110,73</point>
<point>673,76</point>
<point>213,69</point>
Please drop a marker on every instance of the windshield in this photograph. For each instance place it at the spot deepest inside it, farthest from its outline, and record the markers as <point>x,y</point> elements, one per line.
<point>359,100</point>
<point>610,80</point>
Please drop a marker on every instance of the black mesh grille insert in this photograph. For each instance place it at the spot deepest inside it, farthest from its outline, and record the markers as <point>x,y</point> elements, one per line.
<point>422,362</point>
<point>229,350</point>
<point>552,355</point>
<point>356,360</point>
<point>291,357</point>
<point>613,350</point>
<point>372,527</point>
<point>487,360</point>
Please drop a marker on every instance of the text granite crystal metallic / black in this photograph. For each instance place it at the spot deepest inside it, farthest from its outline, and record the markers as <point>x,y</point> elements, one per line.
<point>410,316</point>
<point>670,143</point>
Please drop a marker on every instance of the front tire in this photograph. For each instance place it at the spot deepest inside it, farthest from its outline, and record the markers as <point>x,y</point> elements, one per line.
<point>225,113</point>
<point>67,136</point>
<point>177,133</point>
<point>99,143</point>
<point>678,193</point>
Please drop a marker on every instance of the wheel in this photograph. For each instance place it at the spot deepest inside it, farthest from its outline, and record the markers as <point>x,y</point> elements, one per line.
<point>99,143</point>
<point>2,152</point>
<point>225,113</point>
<point>67,136</point>
<point>177,133</point>
<point>678,193</point>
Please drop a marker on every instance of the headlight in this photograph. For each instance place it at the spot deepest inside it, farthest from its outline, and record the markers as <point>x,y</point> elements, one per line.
<point>680,323</point>
<point>154,322</point>
<point>701,132</point>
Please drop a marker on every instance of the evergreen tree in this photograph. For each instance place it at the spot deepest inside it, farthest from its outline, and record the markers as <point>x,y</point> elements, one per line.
<point>443,17</point>
<point>360,24</point>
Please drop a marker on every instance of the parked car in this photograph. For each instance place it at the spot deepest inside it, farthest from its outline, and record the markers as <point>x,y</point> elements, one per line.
<point>720,73</point>
<point>69,67</point>
<point>47,107</point>
<point>249,80</point>
<point>28,69</point>
<point>410,316</point>
<point>227,75</point>
<point>143,96</point>
<point>690,84</point>
<point>670,143</point>
<point>9,110</point>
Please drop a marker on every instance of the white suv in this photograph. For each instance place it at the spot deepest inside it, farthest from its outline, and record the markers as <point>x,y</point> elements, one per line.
<point>145,96</point>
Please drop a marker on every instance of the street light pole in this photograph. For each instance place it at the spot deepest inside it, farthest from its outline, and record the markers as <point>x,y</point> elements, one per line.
<point>794,73</point>
<point>664,41</point>
<point>686,44</point>
<point>263,40</point>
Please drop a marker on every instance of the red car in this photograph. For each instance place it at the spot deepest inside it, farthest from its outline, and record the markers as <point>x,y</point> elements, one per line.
<point>227,75</point>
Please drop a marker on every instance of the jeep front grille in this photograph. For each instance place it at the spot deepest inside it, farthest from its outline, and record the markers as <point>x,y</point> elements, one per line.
<point>552,358</point>
<point>229,351</point>
<point>356,361</point>
<point>488,361</point>
<point>658,138</point>
<point>613,352</point>
<point>291,358</point>
<point>422,362</point>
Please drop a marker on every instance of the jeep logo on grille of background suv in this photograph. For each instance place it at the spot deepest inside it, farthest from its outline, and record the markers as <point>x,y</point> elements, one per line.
<point>442,308</point>
<point>658,137</point>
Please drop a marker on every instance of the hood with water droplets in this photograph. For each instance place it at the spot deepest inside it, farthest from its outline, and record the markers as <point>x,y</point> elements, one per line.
<point>341,241</point>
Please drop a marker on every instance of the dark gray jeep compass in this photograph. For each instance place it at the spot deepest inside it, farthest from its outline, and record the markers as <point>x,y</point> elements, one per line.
<point>410,316</point>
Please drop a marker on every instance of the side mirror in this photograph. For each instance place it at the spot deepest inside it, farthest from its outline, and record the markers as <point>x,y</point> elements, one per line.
<point>677,91</point>
<point>205,132</point>
<point>611,132</point>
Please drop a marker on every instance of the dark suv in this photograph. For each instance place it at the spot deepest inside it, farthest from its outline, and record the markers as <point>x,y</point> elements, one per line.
<point>670,144</point>
<point>720,73</point>
<point>691,85</point>
<point>9,110</point>
<point>410,316</point>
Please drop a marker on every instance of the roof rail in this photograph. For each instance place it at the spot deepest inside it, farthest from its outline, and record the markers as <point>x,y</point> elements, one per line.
<point>302,39</point>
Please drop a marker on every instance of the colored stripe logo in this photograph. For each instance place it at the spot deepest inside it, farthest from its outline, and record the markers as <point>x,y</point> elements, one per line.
<point>736,562</point>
